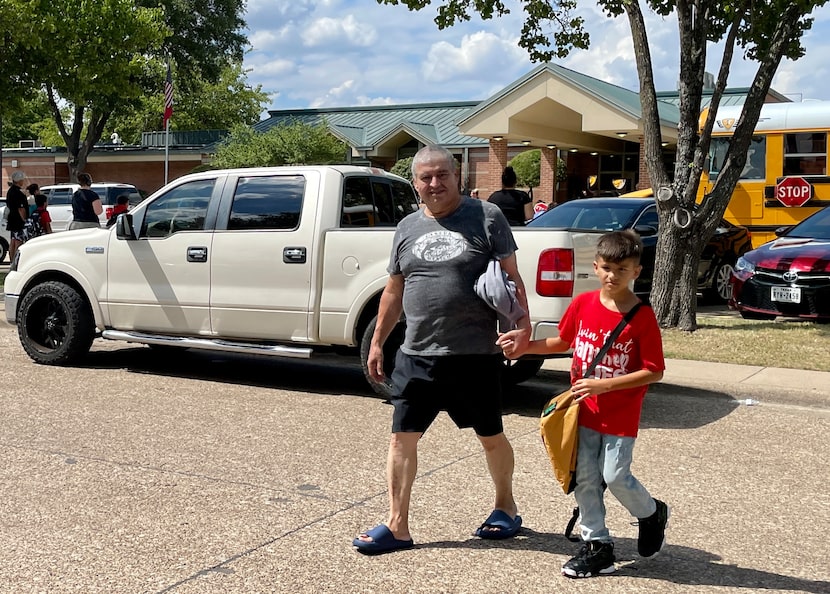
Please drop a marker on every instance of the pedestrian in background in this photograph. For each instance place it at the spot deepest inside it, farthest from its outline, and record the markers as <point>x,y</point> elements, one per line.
<point>86,205</point>
<point>515,204</point>
<point>18,212</point>
<point>40,221</point>
<point>474,194</point>
<point>33,190</point>
<point>449,359</point>
<point>609,413</point>
<point>122,204</point>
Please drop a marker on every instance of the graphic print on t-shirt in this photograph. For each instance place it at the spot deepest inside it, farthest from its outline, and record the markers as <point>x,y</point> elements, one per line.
<point>614,364</point>
<point>439,246</point>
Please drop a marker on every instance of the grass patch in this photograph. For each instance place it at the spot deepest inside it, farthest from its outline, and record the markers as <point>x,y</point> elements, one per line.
<point>795,344</point>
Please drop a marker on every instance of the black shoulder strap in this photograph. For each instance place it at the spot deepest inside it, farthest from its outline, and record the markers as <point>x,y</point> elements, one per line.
<point>610,340</point>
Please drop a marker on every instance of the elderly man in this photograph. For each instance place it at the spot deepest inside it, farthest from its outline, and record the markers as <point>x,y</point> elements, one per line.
<point>18,207</point>
<point>449,360</point>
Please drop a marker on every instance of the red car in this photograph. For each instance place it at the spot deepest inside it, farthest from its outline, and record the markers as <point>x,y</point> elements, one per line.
<point>789,276</point>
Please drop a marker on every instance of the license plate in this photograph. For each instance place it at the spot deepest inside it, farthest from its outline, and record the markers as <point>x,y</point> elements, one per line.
<point>786,294</point>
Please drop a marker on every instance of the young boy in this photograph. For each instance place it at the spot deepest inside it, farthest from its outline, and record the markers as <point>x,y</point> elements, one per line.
<point>609,415</point>
<point>40,221</point>
<point>122,204</point>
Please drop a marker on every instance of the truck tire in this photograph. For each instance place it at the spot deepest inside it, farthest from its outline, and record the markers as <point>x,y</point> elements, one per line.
<point>520,370</point>
<point>390,350</point>
<point>55,324</point>
<point>4,249</point>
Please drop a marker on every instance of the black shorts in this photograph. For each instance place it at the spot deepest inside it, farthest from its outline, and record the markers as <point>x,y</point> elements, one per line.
<point>467,387</point>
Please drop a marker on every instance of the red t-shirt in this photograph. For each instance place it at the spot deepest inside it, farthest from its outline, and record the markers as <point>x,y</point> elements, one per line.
<point>45,217</point>
<point>584,326</point>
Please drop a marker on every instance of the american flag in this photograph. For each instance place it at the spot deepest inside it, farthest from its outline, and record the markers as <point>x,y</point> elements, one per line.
<point>168,96</point>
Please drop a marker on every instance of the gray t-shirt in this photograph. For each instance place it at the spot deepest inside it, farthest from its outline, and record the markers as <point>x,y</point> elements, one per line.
<point>440,260</point>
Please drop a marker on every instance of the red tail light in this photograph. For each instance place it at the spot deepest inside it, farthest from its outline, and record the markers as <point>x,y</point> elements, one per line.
<point>555,273</point>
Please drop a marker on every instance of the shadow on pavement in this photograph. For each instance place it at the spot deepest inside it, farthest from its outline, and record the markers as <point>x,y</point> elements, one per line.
<point>666,406</point>
<point>675,564</point>
<point>327,375</point>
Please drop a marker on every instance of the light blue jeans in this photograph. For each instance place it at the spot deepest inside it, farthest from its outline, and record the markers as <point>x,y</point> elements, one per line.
<point>606,457</point>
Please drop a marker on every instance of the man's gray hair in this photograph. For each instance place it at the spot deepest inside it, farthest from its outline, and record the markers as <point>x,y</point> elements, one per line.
<point>432,153</point>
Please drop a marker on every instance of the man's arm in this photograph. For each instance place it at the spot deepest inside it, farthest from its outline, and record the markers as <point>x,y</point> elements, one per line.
<point>521,335</point>
<point>97,207</point>
<point>389,314</point>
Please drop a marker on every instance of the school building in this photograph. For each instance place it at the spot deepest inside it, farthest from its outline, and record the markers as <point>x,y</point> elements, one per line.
<point>592,126</point>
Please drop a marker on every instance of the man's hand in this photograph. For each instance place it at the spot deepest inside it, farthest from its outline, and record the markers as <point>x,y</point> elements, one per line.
<point>514,343</point>
<point>374,363</point>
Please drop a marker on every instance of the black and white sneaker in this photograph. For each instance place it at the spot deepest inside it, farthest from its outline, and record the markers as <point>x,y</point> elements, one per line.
<point>653,530</point>
<point>594,558</point>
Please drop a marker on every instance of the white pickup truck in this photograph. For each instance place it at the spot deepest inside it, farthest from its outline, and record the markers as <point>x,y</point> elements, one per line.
<point>285,261</point>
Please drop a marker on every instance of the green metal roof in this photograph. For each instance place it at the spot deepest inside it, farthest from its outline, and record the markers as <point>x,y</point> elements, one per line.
<point>365,127</point>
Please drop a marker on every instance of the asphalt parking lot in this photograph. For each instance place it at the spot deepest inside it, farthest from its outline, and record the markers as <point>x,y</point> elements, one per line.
<point>137,472</point>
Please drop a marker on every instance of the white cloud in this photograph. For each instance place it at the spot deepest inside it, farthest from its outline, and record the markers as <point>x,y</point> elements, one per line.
<point>331,32</point>
<point>340,53</point>
<point>475,57</point>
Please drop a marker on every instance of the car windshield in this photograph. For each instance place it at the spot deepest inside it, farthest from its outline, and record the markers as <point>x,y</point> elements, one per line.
<point>607,215</point>
<point>816,226</point>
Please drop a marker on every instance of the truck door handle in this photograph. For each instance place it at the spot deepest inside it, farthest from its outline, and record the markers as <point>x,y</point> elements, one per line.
<point>294,255</point>
<point>197,254</point>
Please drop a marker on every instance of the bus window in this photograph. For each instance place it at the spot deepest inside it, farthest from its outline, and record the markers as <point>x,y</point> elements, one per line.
<point>717,155</point>
<point>805,153</point>
<point>756,157</point>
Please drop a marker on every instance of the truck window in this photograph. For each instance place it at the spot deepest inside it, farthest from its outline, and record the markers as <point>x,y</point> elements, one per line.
<point>383,203</point>
<point>404,200</point>
<point>272,202</point>
<point>805,153</point>
<point>358,206</point>
<point>181,209</point>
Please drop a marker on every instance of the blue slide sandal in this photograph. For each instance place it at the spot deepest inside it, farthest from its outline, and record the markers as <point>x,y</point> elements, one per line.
<point>383,541</point>
<point>499,525</point>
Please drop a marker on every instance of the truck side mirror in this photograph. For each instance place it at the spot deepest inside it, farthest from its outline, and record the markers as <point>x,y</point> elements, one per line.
<point>124,227</point>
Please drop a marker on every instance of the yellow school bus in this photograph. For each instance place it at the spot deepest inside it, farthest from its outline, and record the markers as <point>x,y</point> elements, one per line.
<point>785,178</point>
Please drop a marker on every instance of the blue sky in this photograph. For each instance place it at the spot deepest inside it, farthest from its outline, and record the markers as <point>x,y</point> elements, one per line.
<point>341,53</point>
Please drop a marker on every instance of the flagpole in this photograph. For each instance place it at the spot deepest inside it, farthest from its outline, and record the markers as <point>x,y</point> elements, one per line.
<point>168,113</point>
<point>166,150</point>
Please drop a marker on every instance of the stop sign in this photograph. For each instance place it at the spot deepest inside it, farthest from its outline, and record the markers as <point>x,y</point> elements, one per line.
<point>793,191</point>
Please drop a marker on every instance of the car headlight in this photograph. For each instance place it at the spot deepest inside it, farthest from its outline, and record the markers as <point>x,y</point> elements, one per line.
<point>744,268</point>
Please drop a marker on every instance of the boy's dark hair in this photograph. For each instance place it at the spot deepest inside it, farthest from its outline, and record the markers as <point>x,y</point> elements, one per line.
<point>508,177</point>
<point>617,246</point>
<point>40,199</point>
<point>122,199</point>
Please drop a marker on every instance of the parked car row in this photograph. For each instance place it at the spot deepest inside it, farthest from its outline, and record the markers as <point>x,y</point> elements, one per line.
<point>640,214</point>
<point>789,276</point>
<point>60,200</point>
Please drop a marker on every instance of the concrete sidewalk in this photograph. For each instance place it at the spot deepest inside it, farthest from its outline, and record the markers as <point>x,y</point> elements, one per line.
<point>765,384</point>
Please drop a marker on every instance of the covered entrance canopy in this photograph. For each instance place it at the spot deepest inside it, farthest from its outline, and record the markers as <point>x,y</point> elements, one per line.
<point>552,105</point>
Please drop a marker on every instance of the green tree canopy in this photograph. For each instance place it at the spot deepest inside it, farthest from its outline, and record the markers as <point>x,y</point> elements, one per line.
<point>202,105</point>
<point>403,168</point>
<point>99,58</point>
<point>527,166</point>
<point>295,143</point>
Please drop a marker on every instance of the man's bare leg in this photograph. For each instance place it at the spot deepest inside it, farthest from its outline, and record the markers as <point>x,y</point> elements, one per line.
<point>499,454</point>
<point>401,468</point>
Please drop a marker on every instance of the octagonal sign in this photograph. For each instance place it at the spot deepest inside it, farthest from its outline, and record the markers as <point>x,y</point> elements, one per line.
<point>793,191</point>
